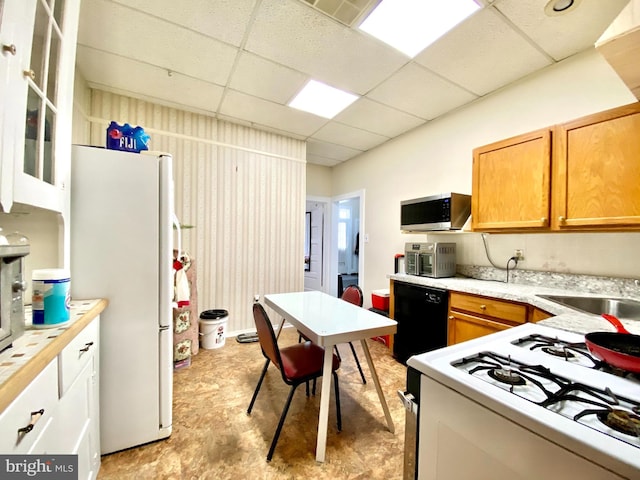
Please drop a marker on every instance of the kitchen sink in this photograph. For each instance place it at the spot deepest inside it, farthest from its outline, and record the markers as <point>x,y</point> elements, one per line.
<point>619,307</point>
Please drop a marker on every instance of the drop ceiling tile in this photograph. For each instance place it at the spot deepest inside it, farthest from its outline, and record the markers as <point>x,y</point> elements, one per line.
<point>378,118</point>
<point>263,112</point>
<point>330,150</point>
<point>225,20</point>
<point>562,35</point>
<point>323,161</point>
<point>141,79</point>
<point>294,34</point>
<point>417,91</point>
<point>488,54</point>
<point>262,78</point>
<point>347,136</point>
<point>117,29</point>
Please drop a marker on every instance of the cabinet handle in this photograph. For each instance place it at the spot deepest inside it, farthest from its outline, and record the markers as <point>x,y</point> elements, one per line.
<point>9,49</point>
<point>35,416</point>
<point>30,73</point>
<point>86,348</point>
<point>561,219</point>
<point>483,307</point>
<point>451,317</point>
<point>543,219</point>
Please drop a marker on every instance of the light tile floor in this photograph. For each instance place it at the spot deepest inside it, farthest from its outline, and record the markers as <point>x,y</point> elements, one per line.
<point>214,438</point>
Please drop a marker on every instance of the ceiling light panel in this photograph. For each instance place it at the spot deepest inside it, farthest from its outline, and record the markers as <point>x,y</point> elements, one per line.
<point>322,100</point>
<point>411,25</point>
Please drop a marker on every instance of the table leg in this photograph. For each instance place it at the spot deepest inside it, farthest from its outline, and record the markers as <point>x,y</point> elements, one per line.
<point>383,401</point>
<point>325,395</point>
<point>280,328</point>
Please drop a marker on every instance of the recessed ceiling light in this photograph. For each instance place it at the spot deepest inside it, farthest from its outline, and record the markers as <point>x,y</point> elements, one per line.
<point>560,7</point>
<point>411,25</point>
<point>321,99</point>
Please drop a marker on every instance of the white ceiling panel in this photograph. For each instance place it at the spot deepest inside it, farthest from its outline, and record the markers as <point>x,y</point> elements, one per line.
<point>100,68</point>
<point>318,160</point>
<point>292,33</point>
<point>243,60</point>
<point>263,112</point>
<point>332,151</point>
<point>265,79</point>
<point>135,35</point>
<point>348,136</point>
<point>419,92</point>
<point>562,35</point>
<point>378,118</point>
<point>225,20</point>
<point>488,54</point>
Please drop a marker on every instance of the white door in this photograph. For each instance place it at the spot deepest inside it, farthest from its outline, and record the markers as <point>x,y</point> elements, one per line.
<point>313,277</point>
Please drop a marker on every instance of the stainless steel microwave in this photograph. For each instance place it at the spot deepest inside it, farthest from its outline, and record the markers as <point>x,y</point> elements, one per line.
<point>445,211</point>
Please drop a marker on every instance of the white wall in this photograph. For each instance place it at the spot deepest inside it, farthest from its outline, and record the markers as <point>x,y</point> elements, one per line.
<point>437,157</point>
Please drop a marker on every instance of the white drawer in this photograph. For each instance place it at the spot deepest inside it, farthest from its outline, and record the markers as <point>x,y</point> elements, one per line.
<point>77,354</point>
<point>40,394</point>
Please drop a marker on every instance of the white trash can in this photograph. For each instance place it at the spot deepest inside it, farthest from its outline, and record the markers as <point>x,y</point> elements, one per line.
<point>213,328</point>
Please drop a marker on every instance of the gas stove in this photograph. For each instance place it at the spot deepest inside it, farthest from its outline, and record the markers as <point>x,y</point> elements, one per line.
<point>546,380</point>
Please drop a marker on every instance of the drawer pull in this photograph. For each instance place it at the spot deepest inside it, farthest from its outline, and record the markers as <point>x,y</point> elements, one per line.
<point>35,416</point>
<point>483,307</point>
<point>86,348</point>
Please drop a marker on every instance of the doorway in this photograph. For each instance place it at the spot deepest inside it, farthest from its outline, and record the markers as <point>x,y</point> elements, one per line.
<point>347,255</point>
<point>316,243</point>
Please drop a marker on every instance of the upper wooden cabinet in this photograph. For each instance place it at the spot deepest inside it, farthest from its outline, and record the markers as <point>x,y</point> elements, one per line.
<point>596,171</point>
<point>511,183</point>
<point>581,175</point>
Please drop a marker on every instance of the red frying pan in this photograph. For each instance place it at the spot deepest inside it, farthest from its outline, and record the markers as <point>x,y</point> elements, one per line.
<point>620,350</point>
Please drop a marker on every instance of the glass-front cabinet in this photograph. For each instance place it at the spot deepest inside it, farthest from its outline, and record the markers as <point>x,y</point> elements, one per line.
<point>39,54</point>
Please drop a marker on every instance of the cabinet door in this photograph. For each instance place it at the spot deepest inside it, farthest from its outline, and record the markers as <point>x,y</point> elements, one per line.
<point>597,170</point>
<point>28,418</point>
<point>511,184</point>
<point>463,327</point>
<point>16,25</point>
<point>538,314</point>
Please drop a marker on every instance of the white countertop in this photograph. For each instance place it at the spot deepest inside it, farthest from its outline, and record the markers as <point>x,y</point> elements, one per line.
<point>566,318</point>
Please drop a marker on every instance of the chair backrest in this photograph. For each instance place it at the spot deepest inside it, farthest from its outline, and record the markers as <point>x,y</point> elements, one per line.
<point>353,294</point>
<point>266,335</point>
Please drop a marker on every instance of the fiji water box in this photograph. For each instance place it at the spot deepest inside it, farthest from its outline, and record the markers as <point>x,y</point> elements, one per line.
<point>127,138</point>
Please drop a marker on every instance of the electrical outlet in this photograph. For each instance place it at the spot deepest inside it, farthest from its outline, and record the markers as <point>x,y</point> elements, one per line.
<point>519,254</point>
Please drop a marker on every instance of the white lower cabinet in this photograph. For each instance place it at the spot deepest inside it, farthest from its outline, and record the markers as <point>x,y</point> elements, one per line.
<point>26,421</point>
<point>67,393</point>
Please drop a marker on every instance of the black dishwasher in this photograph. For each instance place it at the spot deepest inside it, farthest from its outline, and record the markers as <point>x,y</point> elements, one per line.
<point>421,313</point>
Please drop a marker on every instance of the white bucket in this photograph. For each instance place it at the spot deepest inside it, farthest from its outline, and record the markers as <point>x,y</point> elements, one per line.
<point>51,299</point>
<point>213,328</point>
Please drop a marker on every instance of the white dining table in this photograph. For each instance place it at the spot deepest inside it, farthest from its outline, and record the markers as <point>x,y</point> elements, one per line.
<point>327,321</point>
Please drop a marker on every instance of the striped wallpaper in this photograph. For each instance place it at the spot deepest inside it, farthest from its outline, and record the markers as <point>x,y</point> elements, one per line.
<point>242,189</point>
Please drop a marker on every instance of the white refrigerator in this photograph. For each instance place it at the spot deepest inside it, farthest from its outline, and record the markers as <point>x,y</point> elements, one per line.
<point>122,211</point>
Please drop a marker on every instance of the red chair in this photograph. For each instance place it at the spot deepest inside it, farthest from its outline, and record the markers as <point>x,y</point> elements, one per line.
<point>353,294</point>
<point>297,363</point>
